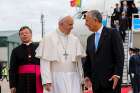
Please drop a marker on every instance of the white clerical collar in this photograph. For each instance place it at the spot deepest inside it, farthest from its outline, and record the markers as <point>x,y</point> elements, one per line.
<point>100,30</point>
<point>61,33</point>
<point>28,43</point>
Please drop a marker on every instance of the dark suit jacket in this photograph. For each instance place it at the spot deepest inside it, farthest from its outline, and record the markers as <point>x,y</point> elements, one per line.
<point>134,64</point>
<point>123,22</point>
<point>108,60</point>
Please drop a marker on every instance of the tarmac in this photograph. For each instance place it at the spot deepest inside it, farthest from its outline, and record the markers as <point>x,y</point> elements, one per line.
<point>5,88</point>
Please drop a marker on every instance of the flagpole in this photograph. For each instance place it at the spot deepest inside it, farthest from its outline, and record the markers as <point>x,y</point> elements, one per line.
<point>42,24</point>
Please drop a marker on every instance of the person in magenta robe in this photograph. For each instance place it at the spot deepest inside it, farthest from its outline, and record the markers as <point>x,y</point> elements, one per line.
<point>24,72</point>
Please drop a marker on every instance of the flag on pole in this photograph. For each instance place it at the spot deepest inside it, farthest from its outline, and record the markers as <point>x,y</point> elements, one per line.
<point>75,3</point>
<point>78,3</point>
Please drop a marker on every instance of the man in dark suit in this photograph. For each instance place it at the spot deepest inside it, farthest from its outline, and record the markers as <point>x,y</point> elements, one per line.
<point>105,55</point>
<point>117,12</point>
<point>123,25</point>
<point>134,69</point>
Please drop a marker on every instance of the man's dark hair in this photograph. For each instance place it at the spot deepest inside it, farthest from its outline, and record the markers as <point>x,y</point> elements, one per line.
<point>25,27</point>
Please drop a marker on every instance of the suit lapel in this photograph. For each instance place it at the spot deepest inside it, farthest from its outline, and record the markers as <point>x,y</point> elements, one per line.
<point>93,44</point>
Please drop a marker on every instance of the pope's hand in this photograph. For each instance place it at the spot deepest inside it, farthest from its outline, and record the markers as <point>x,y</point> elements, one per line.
<point>48,87</point>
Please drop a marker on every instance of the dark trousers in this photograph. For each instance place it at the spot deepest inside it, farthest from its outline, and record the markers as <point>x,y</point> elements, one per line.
<point>103,90</point>
<point>123,33</point>
<point>109,89</point>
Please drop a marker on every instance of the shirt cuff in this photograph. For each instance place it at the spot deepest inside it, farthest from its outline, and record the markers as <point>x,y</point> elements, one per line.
<point>46,80</point>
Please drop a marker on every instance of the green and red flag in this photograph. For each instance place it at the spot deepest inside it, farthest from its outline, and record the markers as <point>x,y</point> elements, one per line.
<point>75,3</point>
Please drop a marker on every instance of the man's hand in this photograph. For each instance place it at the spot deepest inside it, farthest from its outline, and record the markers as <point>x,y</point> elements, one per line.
<point>115,81</point>
<point>48,87</point>
<point>13,90</point>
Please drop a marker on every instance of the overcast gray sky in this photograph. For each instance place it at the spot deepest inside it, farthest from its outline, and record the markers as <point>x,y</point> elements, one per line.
<point>17,13</point>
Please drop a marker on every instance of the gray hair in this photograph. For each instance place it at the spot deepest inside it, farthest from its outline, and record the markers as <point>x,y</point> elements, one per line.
<point>96,14</point>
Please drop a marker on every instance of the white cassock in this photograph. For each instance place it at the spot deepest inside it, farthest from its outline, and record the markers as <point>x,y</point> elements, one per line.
<point>60,61</point>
